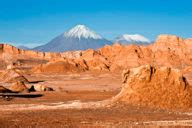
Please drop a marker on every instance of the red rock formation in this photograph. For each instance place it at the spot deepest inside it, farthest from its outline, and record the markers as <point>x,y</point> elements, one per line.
<point>188,42</point>
<point>18,86</point>
<point>95,61</point>
<point>171,41</point>
<point>90,60</point>
<point>121,57</point>
<point>12,75</point>
<point>5,48</point>
<point>168,50</point>
<point>154,87</point>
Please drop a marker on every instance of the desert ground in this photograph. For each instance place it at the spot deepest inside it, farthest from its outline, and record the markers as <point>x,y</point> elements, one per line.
<point>84,87</point>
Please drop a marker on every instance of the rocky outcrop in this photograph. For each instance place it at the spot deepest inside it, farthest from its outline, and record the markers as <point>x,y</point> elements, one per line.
<point>169,40</point>
<point>171,50</point>
<point>154,87</point>
<point>168,50</point>
<point>6,48</point>
<point>4,90</point>
<point>11,76</point>
<point>122,56</point>
<point>95,61</point>
<point>19,86</point>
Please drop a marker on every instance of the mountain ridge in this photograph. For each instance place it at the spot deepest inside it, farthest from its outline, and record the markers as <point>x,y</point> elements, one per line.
<point>78,38</point>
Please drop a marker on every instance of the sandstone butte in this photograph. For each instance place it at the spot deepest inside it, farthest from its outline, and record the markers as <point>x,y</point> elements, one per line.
<point>159,87</point>
<point>167,50</point>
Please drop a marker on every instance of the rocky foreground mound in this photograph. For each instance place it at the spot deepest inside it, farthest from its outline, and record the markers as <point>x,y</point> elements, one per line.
<point>154,87</point>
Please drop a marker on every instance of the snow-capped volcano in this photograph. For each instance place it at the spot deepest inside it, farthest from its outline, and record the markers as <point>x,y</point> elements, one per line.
<point>81,31</point>
<point>132,39</point>
<point>78,38</point>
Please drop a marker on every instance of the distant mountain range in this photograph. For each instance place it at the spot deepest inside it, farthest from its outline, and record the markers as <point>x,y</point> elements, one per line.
<point>78,38</point>
<point>133,39</point>
<point>81,38</point>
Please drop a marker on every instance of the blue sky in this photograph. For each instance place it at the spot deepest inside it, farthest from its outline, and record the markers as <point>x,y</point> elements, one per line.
<point>35,22</point>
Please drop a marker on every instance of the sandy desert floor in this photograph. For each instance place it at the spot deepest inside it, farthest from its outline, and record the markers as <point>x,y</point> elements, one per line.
<point>83,87</point>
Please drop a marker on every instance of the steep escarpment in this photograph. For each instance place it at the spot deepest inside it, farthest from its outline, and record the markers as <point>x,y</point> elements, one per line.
<point>152,86</point>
